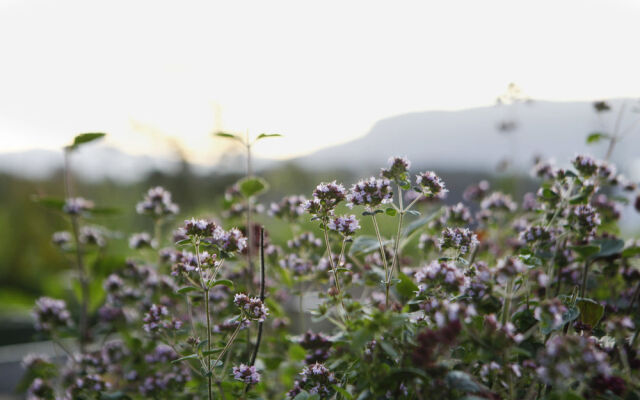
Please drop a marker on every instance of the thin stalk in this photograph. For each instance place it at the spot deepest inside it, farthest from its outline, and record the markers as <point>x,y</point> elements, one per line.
<point>616,129</point>
<point>507,301</point>
<point>229,343</point>
<point>396,257</point>
<point>205,287</point>
<point>585,273</point>
<point>84,284</point>
<point>333,267</point>
<point>249,214</point>
<point>383,255</point>
<point>262,287</point>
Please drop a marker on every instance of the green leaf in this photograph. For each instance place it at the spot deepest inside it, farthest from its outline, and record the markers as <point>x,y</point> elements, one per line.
<point>186,289</point>
<point>114,396</point>
<point>586,251</point>
<point>595,137</point>
<point>229,136</point>
<point>391,211</point>
<point>364,245</point>
<point>590,311</point>
<point>50,202</point>
<point>388,348</point>
<point>267,135</point>
<point>462,381</point>
<point>406,287</point>
<point>224,282</point>
<point>608,247</point>
<point>342,392</point>
<point>419,223</point>
<point>413,212</point>
<point>202,345</point>
<point>84,138</point>
<point>189,357</point>
<point>252,186</point>
<point>631,251</point>
<point>212,351</point>
<point>549,194</point>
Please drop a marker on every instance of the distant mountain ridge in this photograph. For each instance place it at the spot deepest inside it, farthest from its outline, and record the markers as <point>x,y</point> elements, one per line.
<point>469,139</point>
<point>454,140</point>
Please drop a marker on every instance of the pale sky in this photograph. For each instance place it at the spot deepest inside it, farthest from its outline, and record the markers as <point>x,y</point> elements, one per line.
<point>319,73</point>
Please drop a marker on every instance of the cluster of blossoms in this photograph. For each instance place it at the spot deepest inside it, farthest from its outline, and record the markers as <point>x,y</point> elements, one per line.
<point>88,386</point>
<point>252,307</point>
<point>461,239</point>
<point>40,390</point>
<point>476,192</point>
<point>228,241</point>
<point>431,185</point>
<point>570,357</point>
<point>457,214</point>
<point>508,268</point>
<point>61,239</point>
<point>346,225</point>
<point>91,235</point>
<point>77,205</point>
<point>326,196</point>
<point>608,209</point>
<point>157,202</point>
<point>289,208</point>
<point>141,240</point>
<point>587,166</point>
<point>370,193</point>
<point>534,234</point>
<point>51,314</point>
<point>498,201</point>
<point>550,313</point>
<point>162,382</point>
<point>316,379</point>
<point>157,319</point>
<point>441,274</point>
<point>298,265</point>
<point>586,218</point>
<point>443,312</point>
<point>246,374</point>
<point>230,325</point>
<point>305,240</point>
<point>398,170</point>
<point>318,345</point>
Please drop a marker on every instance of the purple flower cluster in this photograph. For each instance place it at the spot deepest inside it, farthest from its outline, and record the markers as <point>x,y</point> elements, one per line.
<point>61,239</point>
<point>199,227</point>
<point>534,234</point>
<point>431,185</point>
<point>326,197</point>
<point>318,345</point>
<point>347,225</point>
<point>157,319</point>
<point>398,170</point>
<point>40,390</point>
<point>51,314</point>
<point>246,374</point>
<point>461,239</point>
<point>476,192</point>
<point>141,240</point>
<point>441,274</point>
<point>289,208</point>
<point>77,205</point>
<point>370,193</point>
<point>305,240</point>
<point>252,307</point>
<point>157,202</point>
<point>316,379</point>
<point>498,201</point>
<point>91,235</point>
<point>586,218</point>
<point>298,265</point>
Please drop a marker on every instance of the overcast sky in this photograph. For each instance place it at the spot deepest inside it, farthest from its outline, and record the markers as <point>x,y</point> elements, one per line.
<point>318,72</point>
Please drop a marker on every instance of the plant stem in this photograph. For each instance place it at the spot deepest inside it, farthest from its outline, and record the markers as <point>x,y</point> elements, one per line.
<point>84,284</point>
<point>585,273</point>
<point>383,255</point>
<point>262,287</point>
<point>333,267</point>
<point>205,287</point>
<point>396,257</point>
<point>507,302</point>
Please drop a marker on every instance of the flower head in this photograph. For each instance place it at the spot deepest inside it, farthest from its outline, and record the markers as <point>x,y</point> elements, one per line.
<point>347,225</point>
<point>398,170</point>
<point>246,374</point>
<point>431,184</point>
<point>157,202</point>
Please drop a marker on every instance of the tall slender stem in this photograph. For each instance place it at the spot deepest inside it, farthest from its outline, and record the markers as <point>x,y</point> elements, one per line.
<point>205,287</point>
<point>585,273</point>
<point>262,287</point>
<point>507,302</point>
<point>333,267</point>
<point>384,257</point>
<point>84,284</point>
<point>396,260</point>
